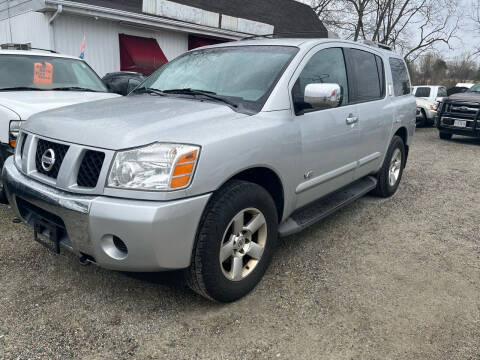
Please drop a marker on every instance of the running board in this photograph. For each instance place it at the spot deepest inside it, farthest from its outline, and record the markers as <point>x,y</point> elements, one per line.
<point>320,209</point>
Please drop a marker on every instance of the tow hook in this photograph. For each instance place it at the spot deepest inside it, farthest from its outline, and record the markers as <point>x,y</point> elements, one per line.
<point>84,260</point>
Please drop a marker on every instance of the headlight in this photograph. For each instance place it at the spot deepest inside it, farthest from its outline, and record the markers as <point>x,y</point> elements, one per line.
<point>160,167</point>
<point>13,132</point>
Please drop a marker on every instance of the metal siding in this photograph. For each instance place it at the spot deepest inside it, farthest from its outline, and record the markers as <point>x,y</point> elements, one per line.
<point>16,7</point>
<point>102,44</point>
<point>31,27</point>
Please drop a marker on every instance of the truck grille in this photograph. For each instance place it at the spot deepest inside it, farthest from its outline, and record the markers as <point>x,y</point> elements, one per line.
<point>462,110</point>
<point>76,168</point>
<point>60,151</point>
<point>90,169</point>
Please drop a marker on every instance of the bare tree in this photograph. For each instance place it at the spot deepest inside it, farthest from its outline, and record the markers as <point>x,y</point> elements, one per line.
<point>412,26</point>
<point>475,16</point>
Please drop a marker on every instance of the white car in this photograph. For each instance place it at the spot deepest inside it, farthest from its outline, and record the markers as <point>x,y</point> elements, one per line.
<point>428,99</point>
<point>32,81</point>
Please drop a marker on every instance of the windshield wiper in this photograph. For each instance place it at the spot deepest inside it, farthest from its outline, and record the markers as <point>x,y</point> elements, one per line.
<point>73,88</point>
<point>208,94</point>
<point>144,90</point>
<point>22,88</point>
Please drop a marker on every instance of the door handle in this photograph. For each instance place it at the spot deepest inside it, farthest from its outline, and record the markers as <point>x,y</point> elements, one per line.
<point>352,119</point>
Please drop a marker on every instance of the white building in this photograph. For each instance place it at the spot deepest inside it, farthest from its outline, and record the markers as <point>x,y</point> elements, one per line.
<point>141,35</point>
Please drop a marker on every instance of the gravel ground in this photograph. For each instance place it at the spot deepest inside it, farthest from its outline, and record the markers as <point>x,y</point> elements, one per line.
<point>382,279</point>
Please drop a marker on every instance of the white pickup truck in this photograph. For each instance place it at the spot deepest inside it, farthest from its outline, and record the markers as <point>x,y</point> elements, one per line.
<point>32,81</point>
<point>428,99</point>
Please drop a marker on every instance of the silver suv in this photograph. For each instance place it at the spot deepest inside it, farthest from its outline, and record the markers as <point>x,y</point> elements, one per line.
<point>214,156</point>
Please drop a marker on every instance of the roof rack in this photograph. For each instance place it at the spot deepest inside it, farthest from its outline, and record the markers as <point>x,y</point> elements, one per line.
<point>27,47</point>
<point>313,34</point>
<point>375,44</point>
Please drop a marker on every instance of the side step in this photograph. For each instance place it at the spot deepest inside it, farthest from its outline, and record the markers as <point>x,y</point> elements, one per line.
<point>320,209</point>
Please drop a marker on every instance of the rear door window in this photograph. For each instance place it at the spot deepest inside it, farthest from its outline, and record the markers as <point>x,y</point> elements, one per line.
<point>442,92</point>
<point>401,80</point>
<point>366,76</point>
<point>423,92</point>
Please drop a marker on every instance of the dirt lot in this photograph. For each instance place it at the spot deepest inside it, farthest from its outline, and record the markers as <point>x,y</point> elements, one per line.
<point>382,279</point>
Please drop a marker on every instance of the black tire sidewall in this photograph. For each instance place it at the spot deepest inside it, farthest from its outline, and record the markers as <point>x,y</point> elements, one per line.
<point>423,122</point>
<point>242,195</point>
<point>384,187</point>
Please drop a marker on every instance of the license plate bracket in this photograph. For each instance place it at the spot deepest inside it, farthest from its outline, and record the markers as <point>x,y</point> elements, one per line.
<point>460,123</point>
<point>47,234</point>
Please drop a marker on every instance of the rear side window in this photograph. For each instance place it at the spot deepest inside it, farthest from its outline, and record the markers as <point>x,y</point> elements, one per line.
<point>442,92</point>
<point>423,92</point>
<point>401,80</point>
<point>366,75</point>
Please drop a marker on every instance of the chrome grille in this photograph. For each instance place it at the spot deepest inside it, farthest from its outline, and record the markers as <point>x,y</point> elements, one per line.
<point>60,151</point>
<point>77,169</point>
<point>462,110</point>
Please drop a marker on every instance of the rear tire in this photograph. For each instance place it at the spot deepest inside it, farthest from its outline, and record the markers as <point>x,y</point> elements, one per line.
<point>390,175</point>
<point>445,136</point>
<point>235,242</point>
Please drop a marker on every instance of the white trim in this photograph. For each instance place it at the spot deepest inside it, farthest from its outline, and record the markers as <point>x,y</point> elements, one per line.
<point>156,22</point>
<point>173,10</point>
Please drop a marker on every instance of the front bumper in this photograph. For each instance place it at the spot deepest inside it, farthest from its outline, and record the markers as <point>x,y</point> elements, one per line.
<point>472,129</point>
<point>5,152</point>
<point>158,235</point>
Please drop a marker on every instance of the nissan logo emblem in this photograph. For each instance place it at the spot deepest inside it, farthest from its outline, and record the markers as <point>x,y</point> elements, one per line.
<point>48,160</point>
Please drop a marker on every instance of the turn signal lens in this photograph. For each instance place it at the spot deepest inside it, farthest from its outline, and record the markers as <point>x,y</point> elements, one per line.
<point>183,170</point>
<point>180,182</point>
<point>13,142</point>
<point>192,156</point>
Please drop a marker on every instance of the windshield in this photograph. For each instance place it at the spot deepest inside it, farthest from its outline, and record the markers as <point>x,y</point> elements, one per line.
<point>475,88</point>
<point>244,75</point>
<point>28,72</point>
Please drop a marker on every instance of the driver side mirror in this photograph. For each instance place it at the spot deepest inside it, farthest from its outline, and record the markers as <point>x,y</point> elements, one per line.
<point>323,96</point>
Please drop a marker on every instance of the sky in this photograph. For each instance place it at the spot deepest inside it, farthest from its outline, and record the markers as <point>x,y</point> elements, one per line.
<point>468,37</point>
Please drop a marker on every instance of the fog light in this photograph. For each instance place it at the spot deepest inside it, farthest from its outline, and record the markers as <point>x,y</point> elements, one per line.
<point>120,245</point>
<point>114,247</point>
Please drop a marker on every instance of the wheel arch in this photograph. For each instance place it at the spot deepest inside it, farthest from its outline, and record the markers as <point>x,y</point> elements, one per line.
<point>266,178</point>
<point>402,132</point>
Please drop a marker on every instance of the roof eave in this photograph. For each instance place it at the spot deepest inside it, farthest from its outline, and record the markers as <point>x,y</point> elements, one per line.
<point>144,20</point>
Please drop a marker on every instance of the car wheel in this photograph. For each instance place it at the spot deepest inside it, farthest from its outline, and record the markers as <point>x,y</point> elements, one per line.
<point>422,121</point>
<point>235,242</point>
<point>445,136</point>
<point>390,174</point>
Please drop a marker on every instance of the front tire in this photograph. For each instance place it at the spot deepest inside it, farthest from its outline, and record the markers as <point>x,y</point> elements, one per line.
<point>422,121</point>
<point>390,175</point>
<point>445,136</point>
<point>235,243</point>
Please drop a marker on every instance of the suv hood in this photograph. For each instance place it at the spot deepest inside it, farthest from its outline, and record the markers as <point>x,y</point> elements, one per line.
<point>27,103</point>
<point>134,121</point>
<point>469,97</point>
